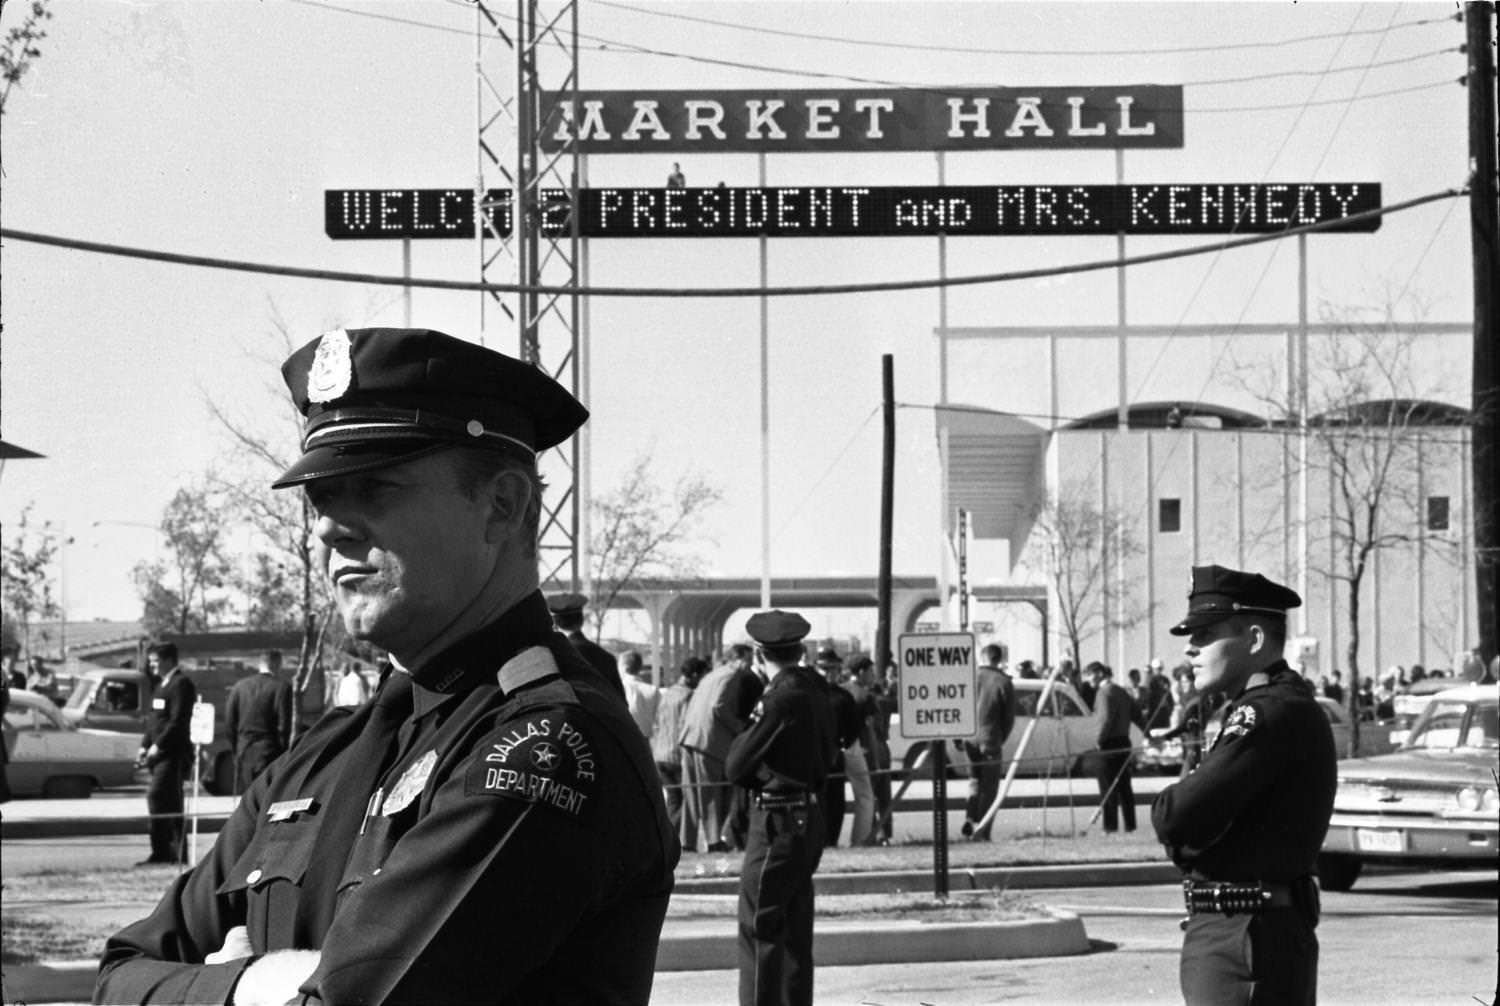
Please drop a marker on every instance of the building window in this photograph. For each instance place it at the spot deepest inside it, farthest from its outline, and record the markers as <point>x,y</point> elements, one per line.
<point>1169,515</point>
<point>1437,513</point>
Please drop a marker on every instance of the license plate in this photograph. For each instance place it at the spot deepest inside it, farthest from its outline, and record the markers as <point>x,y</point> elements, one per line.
<point>1371,840</point>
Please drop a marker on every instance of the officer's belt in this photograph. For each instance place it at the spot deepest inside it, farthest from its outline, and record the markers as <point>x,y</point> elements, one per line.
<point>785,801</point>
<point>1209,896</point>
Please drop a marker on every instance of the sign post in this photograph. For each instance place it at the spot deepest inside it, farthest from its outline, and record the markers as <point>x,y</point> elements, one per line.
<point>201,733</point>
<point>938,702</point>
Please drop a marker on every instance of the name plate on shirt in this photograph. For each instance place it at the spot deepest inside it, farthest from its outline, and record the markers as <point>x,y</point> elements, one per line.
<point>285,810</point>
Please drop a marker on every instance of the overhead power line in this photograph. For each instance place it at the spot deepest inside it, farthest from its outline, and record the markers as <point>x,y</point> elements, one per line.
<point>982,51</point>
<point>605,46</point>
<point>710,292</point>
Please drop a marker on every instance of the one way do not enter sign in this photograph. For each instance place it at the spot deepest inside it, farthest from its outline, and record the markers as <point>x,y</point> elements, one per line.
<point>937,684</point>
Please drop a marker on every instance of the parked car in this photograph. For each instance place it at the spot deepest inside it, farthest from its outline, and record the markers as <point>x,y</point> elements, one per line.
<point>118,699</point>
<point>1432,802</point>
<point>1064,735</point>
<point>51,757</point>
<point>1409,702</point>
<point>1374,738</point>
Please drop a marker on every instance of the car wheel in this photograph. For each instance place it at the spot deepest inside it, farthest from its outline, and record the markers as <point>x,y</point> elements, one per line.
<point>68,787</point>
<point>1338,871</point>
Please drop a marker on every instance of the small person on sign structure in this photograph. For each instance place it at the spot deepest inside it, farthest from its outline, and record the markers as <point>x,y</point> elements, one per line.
<point>676,180</point>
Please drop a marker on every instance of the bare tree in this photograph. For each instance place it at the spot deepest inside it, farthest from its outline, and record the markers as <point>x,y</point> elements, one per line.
<point>25,576</point>
<point>21,47</point>
<point>1367,425</point>
<point>284,586</point>
<point>641,530</point>
<point>1079,546</point>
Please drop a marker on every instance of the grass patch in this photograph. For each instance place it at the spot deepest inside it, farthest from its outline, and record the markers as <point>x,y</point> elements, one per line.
<point>27,937</point>
<point>966,906</point>
<point>59,883</point>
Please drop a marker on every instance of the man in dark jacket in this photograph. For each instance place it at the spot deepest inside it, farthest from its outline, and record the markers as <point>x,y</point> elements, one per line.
<point>995,713</point>
<point>567,615</point>
<point>258,720</point>
<point>489,827</point>
<point>1247,824</point>
<point>167,751</point>
<point>1113,711</point>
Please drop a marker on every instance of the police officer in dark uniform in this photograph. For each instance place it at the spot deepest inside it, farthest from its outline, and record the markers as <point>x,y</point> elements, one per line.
<point>784,757</point>
<point>489,827</point>
<point>167,752</point>
<point>567,615</point>
<point>1246,825</point>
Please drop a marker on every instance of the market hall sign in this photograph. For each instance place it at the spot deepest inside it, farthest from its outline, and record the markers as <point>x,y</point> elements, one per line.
<point>877,119</point>
<point>872,211</point>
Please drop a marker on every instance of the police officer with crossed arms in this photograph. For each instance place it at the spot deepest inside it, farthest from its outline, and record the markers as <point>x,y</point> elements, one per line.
<point>1246,825</point>
<point>489,827</point>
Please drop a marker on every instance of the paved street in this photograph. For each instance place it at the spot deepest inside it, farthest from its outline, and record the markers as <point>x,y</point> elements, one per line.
<point>1398,939</point>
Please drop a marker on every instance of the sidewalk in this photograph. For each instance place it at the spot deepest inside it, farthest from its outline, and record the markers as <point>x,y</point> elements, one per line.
<point>706,944</point>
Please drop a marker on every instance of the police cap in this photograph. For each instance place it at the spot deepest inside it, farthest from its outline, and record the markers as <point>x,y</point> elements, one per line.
<point>1217,593</point>
<point>777,627</point>
<point>566,604</point>
<point>374,397</point>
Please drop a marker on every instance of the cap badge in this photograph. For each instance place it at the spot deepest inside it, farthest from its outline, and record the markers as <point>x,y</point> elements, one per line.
<point>332,369</point>
<point>410,784</point>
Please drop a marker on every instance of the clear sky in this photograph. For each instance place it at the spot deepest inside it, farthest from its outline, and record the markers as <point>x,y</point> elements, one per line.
<point>214,128</point>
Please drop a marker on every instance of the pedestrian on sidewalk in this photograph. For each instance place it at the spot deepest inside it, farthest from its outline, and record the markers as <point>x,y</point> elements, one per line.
<point>1247,825</point>
<point>489,827</point>
<point>1112,769</point>
<point>167,752</point>
<point>995,715</point>
<point>784,756</point>
<point>258,720</point>
<point>668,753</point>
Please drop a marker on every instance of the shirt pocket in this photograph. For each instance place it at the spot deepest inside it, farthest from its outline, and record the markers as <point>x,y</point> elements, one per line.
<point>268,877</point>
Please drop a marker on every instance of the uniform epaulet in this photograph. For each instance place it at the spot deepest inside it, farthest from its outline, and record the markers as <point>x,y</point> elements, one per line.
<point>533,664</point>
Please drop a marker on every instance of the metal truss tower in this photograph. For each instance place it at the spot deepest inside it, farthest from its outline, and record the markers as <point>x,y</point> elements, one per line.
<point>524,62</point>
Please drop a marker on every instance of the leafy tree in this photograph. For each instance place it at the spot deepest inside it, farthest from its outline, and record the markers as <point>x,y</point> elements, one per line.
<point>641,530</point>
<point>186,591</point>
<point>25,576</point>
<point>22,45</point>
<point>1078,546</point>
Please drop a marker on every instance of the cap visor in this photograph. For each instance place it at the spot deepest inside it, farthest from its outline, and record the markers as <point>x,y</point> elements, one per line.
<point>1198,620</point>
<point>334,460</point>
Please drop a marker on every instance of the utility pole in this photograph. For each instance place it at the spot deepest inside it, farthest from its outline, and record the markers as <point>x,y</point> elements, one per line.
<point>1485,414</point>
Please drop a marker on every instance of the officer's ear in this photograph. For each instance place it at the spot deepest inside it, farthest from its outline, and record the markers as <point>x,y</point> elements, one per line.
<point>510,494</point>
<point>1256,633</point>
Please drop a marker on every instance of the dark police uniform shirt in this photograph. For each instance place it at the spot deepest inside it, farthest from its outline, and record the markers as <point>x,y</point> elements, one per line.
<point>790,743</point>
<point>170,725</point>
<point>1257,807</point>
<point>518,850</point>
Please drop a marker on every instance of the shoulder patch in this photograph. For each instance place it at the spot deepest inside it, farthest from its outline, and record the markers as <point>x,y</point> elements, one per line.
<point>1240,723</point>
<point>543,758</point>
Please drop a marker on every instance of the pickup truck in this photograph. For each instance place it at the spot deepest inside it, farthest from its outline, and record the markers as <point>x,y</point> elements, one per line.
<point>110,698</point>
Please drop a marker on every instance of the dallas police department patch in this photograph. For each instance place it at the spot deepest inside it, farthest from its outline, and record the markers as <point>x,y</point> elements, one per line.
<point>1240,723</point>
<point>544,758</point>
<point>332,369</point>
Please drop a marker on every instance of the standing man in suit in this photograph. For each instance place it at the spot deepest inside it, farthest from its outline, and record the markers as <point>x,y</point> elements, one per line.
<point>995,713</point>
<point>258,720</point>
<point>1112,708</point>
<point>167,751</point>
<point>712,721</point>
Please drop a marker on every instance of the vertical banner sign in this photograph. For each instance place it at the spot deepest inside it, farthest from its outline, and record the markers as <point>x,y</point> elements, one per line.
<point>937,672</point>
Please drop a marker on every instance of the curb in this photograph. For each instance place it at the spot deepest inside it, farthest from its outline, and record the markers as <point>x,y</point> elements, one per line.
<point>837,944</point>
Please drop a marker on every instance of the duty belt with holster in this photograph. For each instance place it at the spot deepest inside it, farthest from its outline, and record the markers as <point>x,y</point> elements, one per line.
<point>1220,898</point>
<point>786,800</point>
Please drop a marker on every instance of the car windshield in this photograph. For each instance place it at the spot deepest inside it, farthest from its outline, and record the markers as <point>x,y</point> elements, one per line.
<point>83,688</point>
<point>1448,725</point>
